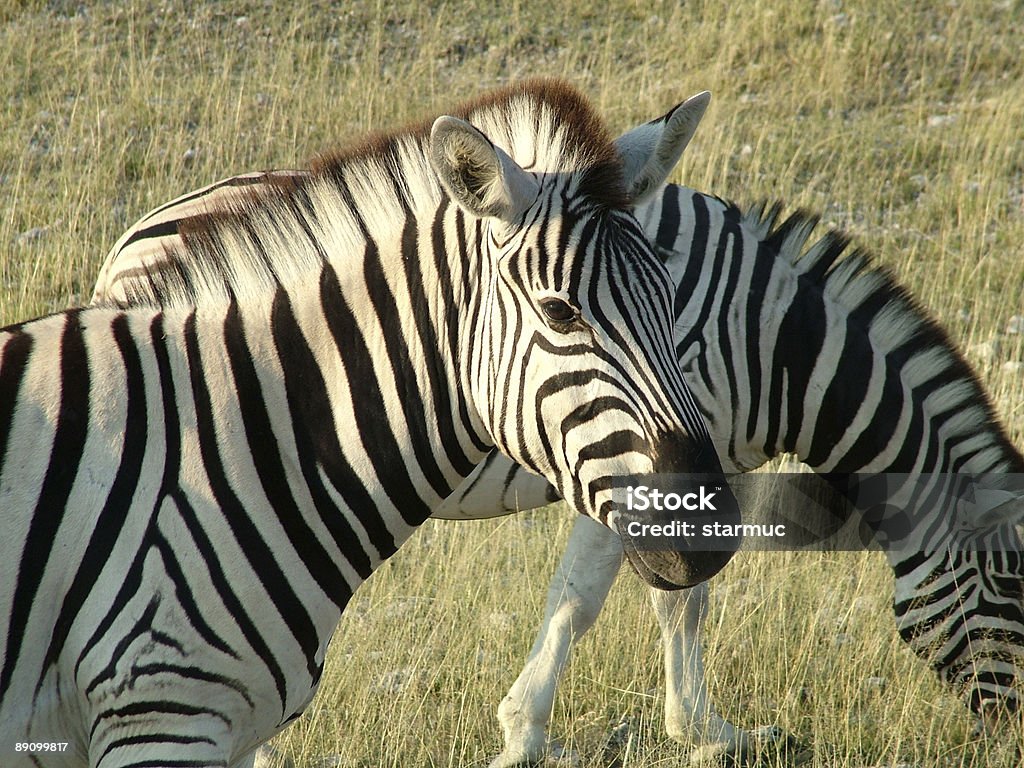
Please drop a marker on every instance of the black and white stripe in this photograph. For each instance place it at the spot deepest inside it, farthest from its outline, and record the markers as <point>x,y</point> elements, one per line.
<point>799,347</point>
<point>191,491</point>
<point>823,355</point>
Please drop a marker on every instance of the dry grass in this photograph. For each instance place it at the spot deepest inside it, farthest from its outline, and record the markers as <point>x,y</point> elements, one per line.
<point>901,123</point>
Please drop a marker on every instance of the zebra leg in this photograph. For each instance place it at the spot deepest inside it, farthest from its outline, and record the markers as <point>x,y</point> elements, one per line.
<point>577,592</point>
<point>689,715</point>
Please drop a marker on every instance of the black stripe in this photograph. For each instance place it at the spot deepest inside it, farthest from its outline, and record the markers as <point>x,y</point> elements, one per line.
<point>154,231</point>
<point>355,358</point>
<point>877,434</point>
<point>764,261</point>
<point>668,223</point>
<point>316,441</point>
<point>65,456</point>
<point>248,537</point>
<point>700,246</point>
<point>146,709</point>
<point>844,394</point>
<point>13,362</point>
<point>267,462</point>
<point>726,301</point>
<point>379,442</point>
<point>182,589</point>
<point>108,524</point>
<point>454,331</point>
<point>801,337</point>
<point>143,625</point>
<point>153,738</point>
<point>435,390</point>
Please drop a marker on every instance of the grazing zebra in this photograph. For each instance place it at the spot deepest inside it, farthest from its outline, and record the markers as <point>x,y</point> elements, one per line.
<point>805,349</point>
<point>791,347</point>
<point>190,493</point>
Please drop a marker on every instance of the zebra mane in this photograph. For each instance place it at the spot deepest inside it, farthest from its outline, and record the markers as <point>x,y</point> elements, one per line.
<point>871,296</point>
<point>287,227</point>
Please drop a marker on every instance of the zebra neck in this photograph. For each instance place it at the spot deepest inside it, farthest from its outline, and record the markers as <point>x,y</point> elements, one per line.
<point>406,377</point>
<point>374,424</point>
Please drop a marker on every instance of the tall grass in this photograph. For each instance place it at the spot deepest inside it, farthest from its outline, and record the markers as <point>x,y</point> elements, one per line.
<point>900,122</point>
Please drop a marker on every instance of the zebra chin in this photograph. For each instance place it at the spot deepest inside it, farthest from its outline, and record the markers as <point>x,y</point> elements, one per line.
<point>670,552</point>
<point>680,555</point>
<point>670,570</point>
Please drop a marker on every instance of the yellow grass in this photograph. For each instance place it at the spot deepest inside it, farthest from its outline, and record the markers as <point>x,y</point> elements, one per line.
<point>900,122</point>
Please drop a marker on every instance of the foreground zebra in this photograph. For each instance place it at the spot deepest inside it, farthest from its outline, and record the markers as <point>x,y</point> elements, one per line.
<point>836,399</point>
<point>185,511</point>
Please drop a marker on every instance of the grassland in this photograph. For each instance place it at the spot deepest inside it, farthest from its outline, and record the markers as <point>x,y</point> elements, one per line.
<point>900,122</point>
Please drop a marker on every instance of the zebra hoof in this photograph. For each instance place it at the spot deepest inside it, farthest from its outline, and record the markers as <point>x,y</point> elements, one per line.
<point>767,745</point>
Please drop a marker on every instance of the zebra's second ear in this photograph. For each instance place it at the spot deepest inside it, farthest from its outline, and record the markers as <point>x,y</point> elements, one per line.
<point>479,176</point>
<point>650,151</point>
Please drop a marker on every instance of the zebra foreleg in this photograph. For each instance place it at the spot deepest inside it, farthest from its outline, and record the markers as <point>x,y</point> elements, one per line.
<point>575,597</point>
<point>577,592</point>
<point>690,717</point>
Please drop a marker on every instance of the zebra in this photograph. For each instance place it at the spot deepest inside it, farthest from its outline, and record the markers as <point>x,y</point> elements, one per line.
<point>185,518</point>
<point>763,278</point>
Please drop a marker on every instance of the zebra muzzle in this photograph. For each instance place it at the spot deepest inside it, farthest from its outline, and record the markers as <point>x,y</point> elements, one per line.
<point>678,530</point>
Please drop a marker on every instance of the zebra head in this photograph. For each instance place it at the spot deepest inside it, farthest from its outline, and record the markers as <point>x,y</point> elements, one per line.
<point>573,370</point>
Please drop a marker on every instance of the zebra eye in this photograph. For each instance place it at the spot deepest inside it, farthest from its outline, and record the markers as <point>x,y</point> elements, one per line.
<point>558,311</point>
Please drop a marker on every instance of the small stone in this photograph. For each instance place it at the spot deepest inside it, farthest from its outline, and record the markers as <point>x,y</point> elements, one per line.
<point>937,121</point>
<point>32,235</point>
<point>189,156</point>
<point>1013,366</point>
<point>501,620</point>
<point>268,757</point>
<point>392,682</point>
<point>1015,324</point>
<point>562,757</point>
<point>711,754</point>
<point>986,351</point>
<point>875,683</point>
<point>863,603</point>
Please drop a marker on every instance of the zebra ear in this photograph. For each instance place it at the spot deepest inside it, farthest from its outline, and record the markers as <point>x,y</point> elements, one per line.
<point>479,176</point>
<point>650,151</point>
